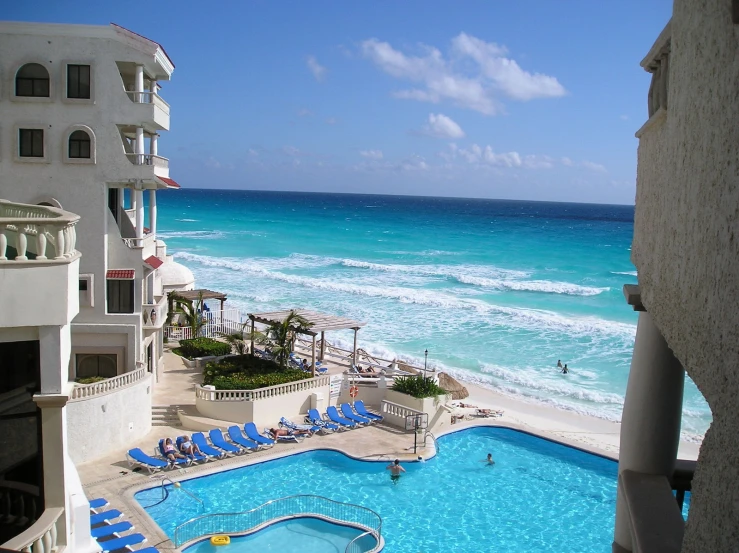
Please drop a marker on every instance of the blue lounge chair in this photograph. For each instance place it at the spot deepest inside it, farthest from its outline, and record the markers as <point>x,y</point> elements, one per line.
<point>107,516</point>
<point>334,416</point>
<point>198,438</point>
<point>346,410</point>
<point>196,457</point>
<point>97,504</point>
<point>148,550</point>
<point>216,436</point>
<point>177,461</point>
<point>120,543</point>
<point>314,417</point>
<point>152,464</point>
<point>289,438</point>
<point>111,530</point>
<point>238,438</point>
<point>362,411</point>
<point>290,425</point>
<point>253,434</point>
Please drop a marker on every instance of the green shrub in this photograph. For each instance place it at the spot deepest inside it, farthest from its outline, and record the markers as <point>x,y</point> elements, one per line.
<point>90,379</point>
<point>245,372</point>
<point>203,347</point>
<point>418,386</point>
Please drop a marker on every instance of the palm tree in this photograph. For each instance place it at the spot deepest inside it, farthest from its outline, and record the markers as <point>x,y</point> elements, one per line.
<point>238,340</point>
<point>192,311</point>
<point>282,335</point>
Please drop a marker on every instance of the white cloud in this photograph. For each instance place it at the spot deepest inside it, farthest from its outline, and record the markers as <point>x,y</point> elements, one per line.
<point>623,117</point>
<point>413,163</point>
<point>252,152</point>
<point>319,71</point>
<point>291,151</point>
<point>473,86</point>
<point>304,112</point>
<point>441,126</point>
<point>487,157</point>
<point>331,121</point>
<point>593,166</point>
<point>371,154</point>
<point>213,163</point>
<point>567,161</point>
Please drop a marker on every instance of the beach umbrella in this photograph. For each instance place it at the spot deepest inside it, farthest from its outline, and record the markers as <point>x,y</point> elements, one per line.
<point>454,388</point>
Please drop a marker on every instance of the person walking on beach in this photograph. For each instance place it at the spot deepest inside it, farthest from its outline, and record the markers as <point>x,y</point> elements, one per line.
<point>395,471</point>
<point>565,370</point>
<point>559,363</point>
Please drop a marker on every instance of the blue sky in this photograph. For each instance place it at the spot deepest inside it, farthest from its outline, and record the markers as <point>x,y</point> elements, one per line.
<point>535,100</point>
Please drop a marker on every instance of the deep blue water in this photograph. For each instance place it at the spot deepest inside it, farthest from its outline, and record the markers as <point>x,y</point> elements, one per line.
<point>497,291</point>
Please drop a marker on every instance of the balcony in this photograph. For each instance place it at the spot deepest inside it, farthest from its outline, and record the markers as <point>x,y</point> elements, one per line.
<point>150,107</point>
<point>154,315</point>
<point>159,163</point>
<point>39,264</point>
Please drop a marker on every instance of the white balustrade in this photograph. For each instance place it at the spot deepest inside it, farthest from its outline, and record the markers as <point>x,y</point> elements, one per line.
<point>48,225</point>
<point>86,391</point>
<point>148,97</point>
<point>206,394</point>
<point>41,537</point>
<point>148,159</point>
<point>215,323</point>
<point>388,408</point>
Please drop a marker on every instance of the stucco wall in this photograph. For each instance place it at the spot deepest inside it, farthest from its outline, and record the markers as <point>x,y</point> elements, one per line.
<point>686,246</point>
<point>105,423</point>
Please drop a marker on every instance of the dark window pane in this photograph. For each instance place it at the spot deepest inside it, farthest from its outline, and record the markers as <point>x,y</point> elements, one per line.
<point>32,80</point>
<point>79,145</point>
<point>24,87</point>
<point>78,81</point>
<point>31,143</point>
<point>83,285</point>
<point>120,296</point>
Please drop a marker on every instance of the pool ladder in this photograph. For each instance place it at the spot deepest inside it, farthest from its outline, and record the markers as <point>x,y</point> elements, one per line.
<point>177,486</point>
<point>436,443</point>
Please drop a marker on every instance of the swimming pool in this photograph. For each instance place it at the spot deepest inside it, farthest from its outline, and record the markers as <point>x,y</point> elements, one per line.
<point>539,496</point>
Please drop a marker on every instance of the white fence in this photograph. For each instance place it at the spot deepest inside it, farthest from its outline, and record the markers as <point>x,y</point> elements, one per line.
<point>205,394</point>
<point>84,391</point>
<point>216,323</point>
<point>41,537</point>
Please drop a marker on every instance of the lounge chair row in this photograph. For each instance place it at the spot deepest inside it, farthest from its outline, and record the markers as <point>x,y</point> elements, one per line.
<point>349,418</point>
<point>110,532</point>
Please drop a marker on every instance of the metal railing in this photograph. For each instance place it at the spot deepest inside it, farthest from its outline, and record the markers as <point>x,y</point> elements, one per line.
<point>148,159</point>
<point>285,508</point>
<point>47,225</point>
<point>433,438</point>
<point>148,97</point>
<point>41,537</point>
<point>85,391</point>
<point>205,394</point>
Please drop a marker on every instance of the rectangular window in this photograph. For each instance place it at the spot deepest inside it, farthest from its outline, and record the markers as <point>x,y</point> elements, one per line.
<point>31,143</point>
<point>83,285</point>
<point>120,296</point>
<point>78,81</point>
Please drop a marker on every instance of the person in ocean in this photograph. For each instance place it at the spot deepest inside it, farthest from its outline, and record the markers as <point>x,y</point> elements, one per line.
<point>489,460</point>
<point>395,471</point>
<point>565,370</point>
<point>559,363</point>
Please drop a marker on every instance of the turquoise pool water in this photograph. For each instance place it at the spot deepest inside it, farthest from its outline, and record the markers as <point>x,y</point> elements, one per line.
<point>539,496</point>
<point>305,535</point>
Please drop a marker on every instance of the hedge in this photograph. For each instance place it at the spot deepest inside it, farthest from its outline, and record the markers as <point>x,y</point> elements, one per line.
<point>245,372</point>
<point>418,387</point>
<point>203,347</point>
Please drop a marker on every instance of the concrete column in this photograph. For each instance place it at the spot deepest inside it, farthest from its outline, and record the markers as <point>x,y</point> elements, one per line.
<point>55,346</point>
<point>139,199</point>
<point>154,144</point>
<point>650,424</point>
<point>153,211</point>
<point>139,146</point>
<point>139,83</point>
<point>150,288</point>
<point>323,345</point>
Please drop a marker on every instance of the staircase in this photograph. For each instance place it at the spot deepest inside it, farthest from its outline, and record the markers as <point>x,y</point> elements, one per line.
<point>165,415</point>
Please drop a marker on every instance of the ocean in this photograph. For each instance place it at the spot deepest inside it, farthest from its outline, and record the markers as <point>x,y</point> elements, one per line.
<point>496,291</point>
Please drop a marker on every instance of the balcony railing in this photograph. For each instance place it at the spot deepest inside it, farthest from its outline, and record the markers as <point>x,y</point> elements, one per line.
<point>205,394</point>
<point>148,159</point>
<point>86,391</point>
<point>41,537</point>
<point>147,97</point>
<point>44,225</point>
<point>286,508</point>
<point>154,314</point>
<point>227,321</point>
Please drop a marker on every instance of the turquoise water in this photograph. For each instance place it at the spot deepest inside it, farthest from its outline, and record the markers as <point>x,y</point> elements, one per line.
<point>539,496</point>
<point>305,535</point>
<point>497,291</point>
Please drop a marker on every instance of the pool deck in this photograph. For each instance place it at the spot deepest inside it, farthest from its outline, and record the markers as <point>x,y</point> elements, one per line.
<point>112,478</point>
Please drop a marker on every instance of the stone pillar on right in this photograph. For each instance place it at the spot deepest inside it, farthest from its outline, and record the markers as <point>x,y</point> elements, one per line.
<point>650,423</point>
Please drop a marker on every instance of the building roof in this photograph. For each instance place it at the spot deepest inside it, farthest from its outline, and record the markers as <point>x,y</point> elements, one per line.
<point>320,322</point>
<point>153,261</point>
<point>145,38</point>
<point>207,295</point>
<point>175,274</point>
<point>169,182</point>
<point>120,274</point>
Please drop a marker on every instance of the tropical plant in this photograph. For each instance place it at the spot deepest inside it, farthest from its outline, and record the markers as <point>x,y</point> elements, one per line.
<point>248,373</point>
<point>203,347</point>
<point>281,336</point>
<point>418,386</point>
<point>190,310</point>
<point>239,340</point>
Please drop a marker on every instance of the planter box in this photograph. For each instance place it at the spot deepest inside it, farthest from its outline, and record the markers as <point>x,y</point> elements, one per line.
<point>426,405</point>
<point>199,362</point>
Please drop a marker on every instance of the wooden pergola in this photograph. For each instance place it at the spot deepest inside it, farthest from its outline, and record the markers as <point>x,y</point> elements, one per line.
<point>318,323</point>
<point>194,295</point>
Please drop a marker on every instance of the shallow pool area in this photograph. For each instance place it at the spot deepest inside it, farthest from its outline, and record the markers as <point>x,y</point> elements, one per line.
<point>539,496</point>
<point>302,535</point>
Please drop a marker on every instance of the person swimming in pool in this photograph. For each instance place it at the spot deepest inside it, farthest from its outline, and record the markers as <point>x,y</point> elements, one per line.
<point>489,460</point>
<point>395,471</point>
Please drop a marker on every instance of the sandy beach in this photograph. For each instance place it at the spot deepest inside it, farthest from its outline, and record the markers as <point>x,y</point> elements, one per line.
<point>590,432</point>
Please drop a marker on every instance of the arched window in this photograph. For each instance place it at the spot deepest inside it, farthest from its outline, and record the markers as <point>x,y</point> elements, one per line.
<point>32,80</point>
<point>105,365</point>
<point>79,145</point>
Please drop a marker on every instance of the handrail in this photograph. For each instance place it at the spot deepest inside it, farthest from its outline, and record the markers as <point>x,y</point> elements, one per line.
<point>436,442</point>
<point>41,537</point>
<point>207,394</point>
<point>49,225</point>
<point>275,510</point>
<point>148,159</point>
<point>86,391</point>
<point>147,97</point>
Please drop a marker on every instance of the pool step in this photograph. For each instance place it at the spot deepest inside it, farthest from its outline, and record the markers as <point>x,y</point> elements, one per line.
<point>165,415</point>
